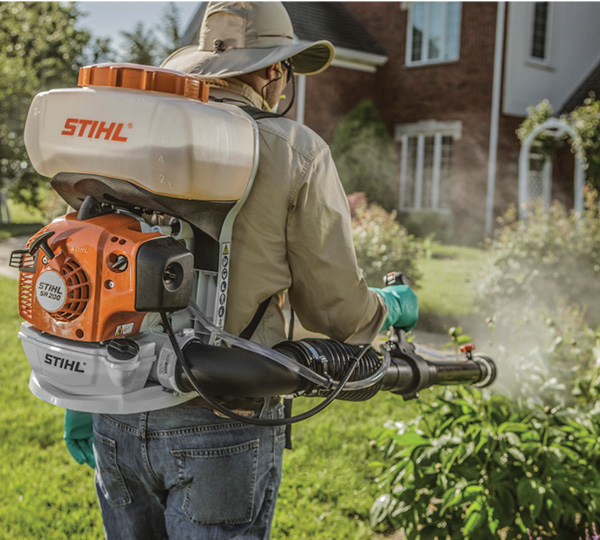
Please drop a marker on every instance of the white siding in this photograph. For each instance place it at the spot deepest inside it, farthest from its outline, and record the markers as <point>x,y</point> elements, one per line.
<point>574,52</point>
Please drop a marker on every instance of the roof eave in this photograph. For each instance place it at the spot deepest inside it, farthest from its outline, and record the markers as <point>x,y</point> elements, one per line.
<point>362,57</point>
<point>354,59</point>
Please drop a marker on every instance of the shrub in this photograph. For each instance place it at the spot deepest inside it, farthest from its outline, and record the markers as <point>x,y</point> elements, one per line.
<point>364,155</point>
<point>382,245</point>
<point>429,224</point>
<point>551,259</point>
<point>481,467</point>
<point>470,466</point>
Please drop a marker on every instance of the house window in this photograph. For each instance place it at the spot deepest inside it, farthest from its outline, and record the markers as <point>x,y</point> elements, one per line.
<point>425,164</point>
<point>433,32</point>
<point>540,37</point>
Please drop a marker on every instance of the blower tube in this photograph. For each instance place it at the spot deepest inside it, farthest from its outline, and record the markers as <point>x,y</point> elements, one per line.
<point>242,373</point>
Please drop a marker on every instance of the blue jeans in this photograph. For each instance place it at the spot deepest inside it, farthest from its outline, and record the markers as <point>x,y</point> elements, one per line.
<point>186,473</point>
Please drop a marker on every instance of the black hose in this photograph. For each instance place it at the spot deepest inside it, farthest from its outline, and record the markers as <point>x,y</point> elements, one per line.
<point>336,355</point>
<point>255,421</point>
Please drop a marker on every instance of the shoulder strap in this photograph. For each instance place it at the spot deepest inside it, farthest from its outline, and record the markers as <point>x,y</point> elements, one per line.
<point>251,328</point>
<point>257,113</point>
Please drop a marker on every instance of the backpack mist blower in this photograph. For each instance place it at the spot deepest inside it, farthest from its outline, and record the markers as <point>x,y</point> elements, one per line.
<point>125,298</point>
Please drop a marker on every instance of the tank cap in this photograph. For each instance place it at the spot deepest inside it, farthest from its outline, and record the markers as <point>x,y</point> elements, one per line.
<point>139,77</point>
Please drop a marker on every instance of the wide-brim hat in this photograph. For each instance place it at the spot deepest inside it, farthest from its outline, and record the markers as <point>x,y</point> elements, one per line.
<point>242,37</point>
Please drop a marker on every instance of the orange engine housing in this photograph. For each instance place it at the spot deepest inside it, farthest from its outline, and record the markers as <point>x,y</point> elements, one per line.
<point>86,292</point>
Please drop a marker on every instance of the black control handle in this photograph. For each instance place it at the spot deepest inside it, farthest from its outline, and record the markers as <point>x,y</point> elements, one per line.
<point>41,242</point>
<point>396,278</point>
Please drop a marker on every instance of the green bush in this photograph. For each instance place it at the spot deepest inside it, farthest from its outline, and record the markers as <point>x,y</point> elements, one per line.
<point>549,260</point>
<point>539,292</point>
<point>482,467</point>
<point>429,224</point>
<point>383,246</point>
<point>364,155</point>
<point>470,466</point>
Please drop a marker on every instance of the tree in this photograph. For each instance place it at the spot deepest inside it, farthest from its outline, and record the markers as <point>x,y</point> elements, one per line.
<point>364,154</point>
<point>141,45</point>
<point>150,46</point>
<point>171,30</point>
<point>41,49</point>
<point>99,51</point>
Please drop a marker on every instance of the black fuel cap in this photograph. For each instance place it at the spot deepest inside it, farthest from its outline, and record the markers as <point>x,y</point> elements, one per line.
<point>123,349</point>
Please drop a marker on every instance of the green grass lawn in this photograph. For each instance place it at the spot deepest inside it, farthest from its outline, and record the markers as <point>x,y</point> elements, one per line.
<point>43,494</point>
<point>326,492</point>
<point>447,289</point>
<point>25,221</point>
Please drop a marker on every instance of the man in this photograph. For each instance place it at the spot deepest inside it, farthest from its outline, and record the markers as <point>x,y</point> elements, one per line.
<point>186,472</point>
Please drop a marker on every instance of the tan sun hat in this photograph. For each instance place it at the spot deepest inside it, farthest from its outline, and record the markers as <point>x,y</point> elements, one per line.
<point>242,37</point>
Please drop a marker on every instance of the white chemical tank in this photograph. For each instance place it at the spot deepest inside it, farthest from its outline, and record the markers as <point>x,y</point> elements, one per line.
<point>149,126</point>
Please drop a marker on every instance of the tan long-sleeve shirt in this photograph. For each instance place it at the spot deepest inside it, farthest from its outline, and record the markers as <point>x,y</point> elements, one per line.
<point>293,233</point>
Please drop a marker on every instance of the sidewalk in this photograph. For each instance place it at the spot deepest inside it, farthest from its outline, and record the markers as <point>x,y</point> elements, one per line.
<point>6,248</point>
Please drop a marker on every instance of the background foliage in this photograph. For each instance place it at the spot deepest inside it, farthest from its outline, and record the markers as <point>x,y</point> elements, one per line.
<point>383,245</point>
<point>364,155</point>
<point>150,46</point>
<point>41,49</point>
<point>549,260</point>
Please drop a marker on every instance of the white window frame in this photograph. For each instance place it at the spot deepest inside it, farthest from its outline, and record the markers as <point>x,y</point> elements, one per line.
<point>420,130</point>
<point>547,48</point>
<point>425,40</point>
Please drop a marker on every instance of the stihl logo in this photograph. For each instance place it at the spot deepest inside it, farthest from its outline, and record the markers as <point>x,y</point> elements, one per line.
<point>63,363</point>
<point>96,129</point>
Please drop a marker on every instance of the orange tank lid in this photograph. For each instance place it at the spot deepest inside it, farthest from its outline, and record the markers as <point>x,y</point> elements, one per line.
<point>139,77</point>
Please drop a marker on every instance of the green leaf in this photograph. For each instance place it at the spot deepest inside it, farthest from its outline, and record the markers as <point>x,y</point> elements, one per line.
<point>474,517</point>
<point>464,339</point>
<point>517,454</point>
<point>381,508</point>
<point>493,523</point>
<point>504,506</point>
<point>536,499</point>
<point>515,427</point>
<point>521,525</point>
<point>410,438</point>
<point>523,491</point>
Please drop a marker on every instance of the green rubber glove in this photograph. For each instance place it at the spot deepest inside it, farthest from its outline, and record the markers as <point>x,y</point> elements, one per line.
<point>402,304</point>
<point>79,437</point>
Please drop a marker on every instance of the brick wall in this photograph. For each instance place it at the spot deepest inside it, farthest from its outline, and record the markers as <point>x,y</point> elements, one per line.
<point>459,90</point>
<point>331,94</point>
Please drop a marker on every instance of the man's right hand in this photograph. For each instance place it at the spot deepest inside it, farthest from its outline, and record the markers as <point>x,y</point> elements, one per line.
<point>402,304</point>
<point>79,437</point>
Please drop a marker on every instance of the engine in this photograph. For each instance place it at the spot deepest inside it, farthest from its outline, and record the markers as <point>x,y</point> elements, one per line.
<point>95,279</point>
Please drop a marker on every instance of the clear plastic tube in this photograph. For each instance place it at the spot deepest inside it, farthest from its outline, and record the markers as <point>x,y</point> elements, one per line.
<point>242,343</point>
<point>373,379</point>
